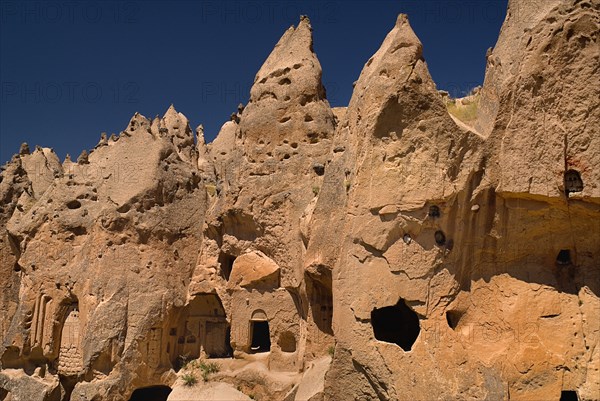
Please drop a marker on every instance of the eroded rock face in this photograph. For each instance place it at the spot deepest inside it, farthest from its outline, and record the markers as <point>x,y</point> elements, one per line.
<point>383,250</point>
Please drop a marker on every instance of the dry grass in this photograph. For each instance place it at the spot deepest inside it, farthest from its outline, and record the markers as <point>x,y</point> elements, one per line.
<point>466,113</point>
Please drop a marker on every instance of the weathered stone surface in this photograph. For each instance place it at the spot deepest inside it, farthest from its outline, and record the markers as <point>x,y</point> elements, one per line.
<point>381,251</point>
<point>210,391</point>
<point>254,270</point>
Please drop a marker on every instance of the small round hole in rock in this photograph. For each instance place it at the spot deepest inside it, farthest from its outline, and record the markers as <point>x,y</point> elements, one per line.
<point>319,168</point>
<point>74,204</point>
<point>440,237</point>
<point>573,182</point>
<point>434,211</point>
<point>564,257</point>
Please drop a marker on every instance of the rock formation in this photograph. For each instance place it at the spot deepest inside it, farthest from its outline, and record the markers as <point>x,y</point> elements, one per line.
<point>382,251</point>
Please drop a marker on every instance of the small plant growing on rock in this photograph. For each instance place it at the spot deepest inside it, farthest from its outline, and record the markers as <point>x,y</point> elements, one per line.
<point>189,379</point>
<point>208,368</point>
<point>315,190</point>
<point>331,351</point>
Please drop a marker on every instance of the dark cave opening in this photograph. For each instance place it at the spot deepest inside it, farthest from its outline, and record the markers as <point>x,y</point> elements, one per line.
<point>453,317</point>
<point>68,384</point>
<point>152,393</point>
<point>563,257</point>
<point>573,182</point>
<point>321,304</point>
<point>568,395</point>
<point>226,262</point>
<point>440,237</point>
<point>261,339</point>
<point>396,324</point>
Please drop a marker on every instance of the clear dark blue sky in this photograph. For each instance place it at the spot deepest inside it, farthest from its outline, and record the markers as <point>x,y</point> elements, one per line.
<point>70,70</point>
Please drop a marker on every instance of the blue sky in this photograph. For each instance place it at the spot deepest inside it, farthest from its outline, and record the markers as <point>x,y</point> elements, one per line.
<point>72,70</point>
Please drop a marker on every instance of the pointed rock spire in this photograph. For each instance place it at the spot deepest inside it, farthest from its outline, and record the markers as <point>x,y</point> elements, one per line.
<point>83,157</point>
<point>176,126</point>
<point>394,86</point>
<point>287,100</point>
<point>137,121</point>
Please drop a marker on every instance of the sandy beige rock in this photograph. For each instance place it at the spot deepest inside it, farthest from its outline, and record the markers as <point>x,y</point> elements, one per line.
<point>254,270</point>
<point>387,250</point>
<point>208,392</point>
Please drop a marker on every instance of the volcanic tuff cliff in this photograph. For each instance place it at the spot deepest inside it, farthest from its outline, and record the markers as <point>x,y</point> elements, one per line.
<point>383,251</point>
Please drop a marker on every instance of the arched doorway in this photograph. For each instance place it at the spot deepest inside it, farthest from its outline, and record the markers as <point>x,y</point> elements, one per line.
<point>260,336</point>
<point>152,393</point>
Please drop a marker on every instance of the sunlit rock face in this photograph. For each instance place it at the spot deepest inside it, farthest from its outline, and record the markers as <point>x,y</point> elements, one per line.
<point>381,251</point>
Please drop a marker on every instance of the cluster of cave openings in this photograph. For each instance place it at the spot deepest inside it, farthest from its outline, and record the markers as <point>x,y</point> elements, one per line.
<point>260,337</point>
<point>573,182</point>
<point>202,329</point>
<point>568,395</point>
<point>396,324</point>
<point>153,393</point>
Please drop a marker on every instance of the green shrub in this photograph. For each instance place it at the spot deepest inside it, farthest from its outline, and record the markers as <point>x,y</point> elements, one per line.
<point>331,351</point>
<point>208,368</point>
<point>189,379</point>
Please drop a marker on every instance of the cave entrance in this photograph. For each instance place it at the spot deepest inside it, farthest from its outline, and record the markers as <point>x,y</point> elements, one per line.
<point>453,317</point>
<point>396,324</point>
<point>261,338</point>
<point>226,262</point>
<point>568,395</point>
<point>152,393</point>
<point>321,304</point>
<point>563,257</point>
<point>573,182</point>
